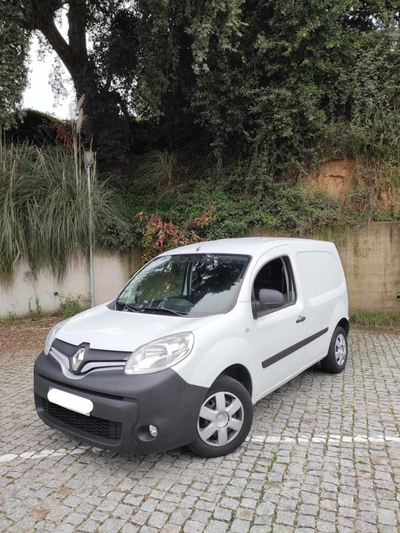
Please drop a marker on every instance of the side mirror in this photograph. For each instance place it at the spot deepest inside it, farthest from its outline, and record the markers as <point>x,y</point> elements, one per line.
<point>271,299</point>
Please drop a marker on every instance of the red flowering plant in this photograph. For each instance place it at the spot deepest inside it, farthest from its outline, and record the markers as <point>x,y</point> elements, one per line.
<point>160,236</point>
<point>64,133</point>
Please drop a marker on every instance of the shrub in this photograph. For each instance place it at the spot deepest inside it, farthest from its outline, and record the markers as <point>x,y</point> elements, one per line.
<point>160,236</point>
<point>239,196</point>
<point>71,305</point>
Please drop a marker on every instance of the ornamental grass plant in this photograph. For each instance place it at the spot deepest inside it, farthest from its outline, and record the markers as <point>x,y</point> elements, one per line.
<point>44,208</point>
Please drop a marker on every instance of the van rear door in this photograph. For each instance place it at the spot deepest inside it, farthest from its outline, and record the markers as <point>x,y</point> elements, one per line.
<point>323,284</point>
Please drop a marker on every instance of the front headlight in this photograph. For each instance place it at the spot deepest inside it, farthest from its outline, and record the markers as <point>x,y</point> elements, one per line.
<point>52,335</point>
<point>160,354</point>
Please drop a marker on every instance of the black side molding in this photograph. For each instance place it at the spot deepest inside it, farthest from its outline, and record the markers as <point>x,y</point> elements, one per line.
<point>277,357</point>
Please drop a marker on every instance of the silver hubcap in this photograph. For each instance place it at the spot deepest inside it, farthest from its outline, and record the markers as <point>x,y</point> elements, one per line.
<point>221,418</point>
<point>340,349</point>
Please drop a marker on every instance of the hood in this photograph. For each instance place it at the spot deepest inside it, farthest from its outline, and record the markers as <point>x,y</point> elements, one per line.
<point>106,329</point>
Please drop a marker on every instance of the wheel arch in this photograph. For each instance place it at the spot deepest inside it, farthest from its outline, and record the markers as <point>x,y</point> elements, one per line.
<point>345,324</point>
<point>241,374</point>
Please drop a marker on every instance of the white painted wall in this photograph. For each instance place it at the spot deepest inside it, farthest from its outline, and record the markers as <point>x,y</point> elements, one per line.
<point>370,255</point>
<point>112,271</point>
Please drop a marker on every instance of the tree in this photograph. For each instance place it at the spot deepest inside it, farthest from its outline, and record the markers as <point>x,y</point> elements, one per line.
<point>268,76</point>
<point>177,42</point>
<point>14,49</point>
<point>290,75</point>
<point>97,73</point>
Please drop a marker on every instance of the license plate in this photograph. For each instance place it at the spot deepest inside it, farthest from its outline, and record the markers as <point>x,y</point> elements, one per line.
<point>70,401</point>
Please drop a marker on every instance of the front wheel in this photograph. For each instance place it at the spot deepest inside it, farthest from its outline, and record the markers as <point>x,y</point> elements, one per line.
<point>224,420</point>
<point>336,359</point>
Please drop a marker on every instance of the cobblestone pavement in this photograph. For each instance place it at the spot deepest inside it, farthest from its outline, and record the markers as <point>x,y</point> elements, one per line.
<point>323,455</point>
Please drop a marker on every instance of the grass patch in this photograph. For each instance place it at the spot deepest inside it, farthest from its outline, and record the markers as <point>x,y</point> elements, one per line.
<point>12,316</point>
<point>363,318</point>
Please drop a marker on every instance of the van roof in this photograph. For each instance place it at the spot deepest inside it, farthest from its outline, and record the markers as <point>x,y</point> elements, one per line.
<point>245,245</point>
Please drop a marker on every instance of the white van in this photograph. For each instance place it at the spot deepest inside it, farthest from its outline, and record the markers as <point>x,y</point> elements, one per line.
<point>197,337</point>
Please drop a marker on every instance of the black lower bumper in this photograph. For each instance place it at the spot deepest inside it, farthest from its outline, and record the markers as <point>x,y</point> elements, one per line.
<point>124,407</point>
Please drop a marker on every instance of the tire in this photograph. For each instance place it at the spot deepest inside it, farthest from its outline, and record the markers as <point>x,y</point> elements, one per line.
<point>231,427</point>
<point>335,361</point>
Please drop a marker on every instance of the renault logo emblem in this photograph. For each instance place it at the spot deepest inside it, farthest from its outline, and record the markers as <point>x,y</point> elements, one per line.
<point>77,359</point>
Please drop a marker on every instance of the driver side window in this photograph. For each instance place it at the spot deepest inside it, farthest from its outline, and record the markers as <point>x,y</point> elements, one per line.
<point>277,275</point>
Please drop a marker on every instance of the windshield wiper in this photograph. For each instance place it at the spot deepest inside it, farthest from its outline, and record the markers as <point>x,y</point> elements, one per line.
<point>131,307</point>
<point>139,309</point>
<point>162,309</point>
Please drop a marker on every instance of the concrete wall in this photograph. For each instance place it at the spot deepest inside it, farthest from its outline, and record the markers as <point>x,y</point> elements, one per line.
<point>112,271</point>
<point>370,256</point>
<point>371,261</point>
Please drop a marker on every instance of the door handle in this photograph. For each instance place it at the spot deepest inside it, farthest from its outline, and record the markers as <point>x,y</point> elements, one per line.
<point>300,319</point>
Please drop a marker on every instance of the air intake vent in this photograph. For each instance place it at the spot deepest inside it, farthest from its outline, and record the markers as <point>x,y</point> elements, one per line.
<point>106,429</point>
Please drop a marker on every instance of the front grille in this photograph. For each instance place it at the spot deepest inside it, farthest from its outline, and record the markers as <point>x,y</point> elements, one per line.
<point>100,427</point>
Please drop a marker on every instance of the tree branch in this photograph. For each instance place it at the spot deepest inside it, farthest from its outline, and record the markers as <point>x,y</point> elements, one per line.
<point>74,53</point>
<point>44,22</point>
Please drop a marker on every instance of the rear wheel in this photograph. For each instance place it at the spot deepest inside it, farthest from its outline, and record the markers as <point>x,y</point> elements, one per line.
<point>335,361</point>
<point>224,420</point>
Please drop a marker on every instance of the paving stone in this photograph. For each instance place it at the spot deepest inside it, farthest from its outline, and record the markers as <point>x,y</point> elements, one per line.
<point>306,521</point>
<point>112,525</point>
<point>88,526</point>
<point>157,519</point>
<point>180,516</point>
<point>240,526</point>
<point>215,526</point>
<point>192,526</point>
<point>129,528</point>
<point>140,517</point>
<point>220,513</point>
<point>387,517</point>
<point>201,516</point>
<point>285,517</point>
<point>229,503</point>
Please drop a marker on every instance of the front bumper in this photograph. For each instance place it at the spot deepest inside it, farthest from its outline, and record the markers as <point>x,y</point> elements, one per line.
<point>124,407</point>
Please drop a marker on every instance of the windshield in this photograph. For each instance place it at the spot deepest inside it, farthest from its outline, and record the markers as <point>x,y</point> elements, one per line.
<point>191,285</point>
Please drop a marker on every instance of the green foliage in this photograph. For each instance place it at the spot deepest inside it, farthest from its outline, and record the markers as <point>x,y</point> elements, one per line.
<point>157,170</point>
<point>71,305</point>
<point>364,318</point>
<point>241,197</point>
<point>38,311</point>
<point>12,316</point>
<point>35,127</point>
<point>220,104</point>
<point>371,93</point>
<point>290,80</point>
<point>14,49</point>
<point>44,209</point>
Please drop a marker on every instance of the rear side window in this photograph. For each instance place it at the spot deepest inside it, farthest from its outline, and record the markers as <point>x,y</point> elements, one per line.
<point>320,273</point>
